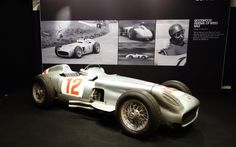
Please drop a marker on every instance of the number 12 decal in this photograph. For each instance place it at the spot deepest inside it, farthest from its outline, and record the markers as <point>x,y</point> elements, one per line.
<point>72,84</point>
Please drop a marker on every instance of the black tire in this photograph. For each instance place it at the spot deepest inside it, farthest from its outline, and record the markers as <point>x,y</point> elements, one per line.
<point>96,48</point>
<point>143,57</point>
<point>177,85</point>
<point>131,34</point>
<point>130,57</point>
<point>78,52</point>
<point>42,91</point>
<point>153,35</point>
<point>147,104</point>
<point>56,50</point>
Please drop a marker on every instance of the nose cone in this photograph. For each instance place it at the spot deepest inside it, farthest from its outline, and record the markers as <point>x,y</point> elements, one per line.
<point>144,34</point>
<point>188,101</point>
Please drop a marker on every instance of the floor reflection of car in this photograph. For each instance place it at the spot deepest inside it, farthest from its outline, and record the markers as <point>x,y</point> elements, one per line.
<point>138,32</point>
<point>78,49</point>
<point>136,56</point>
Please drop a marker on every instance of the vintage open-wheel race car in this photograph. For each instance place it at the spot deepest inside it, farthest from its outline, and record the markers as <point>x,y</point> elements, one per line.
<point>140,106</point>
<point>78,48</point>
<point>137,32</point>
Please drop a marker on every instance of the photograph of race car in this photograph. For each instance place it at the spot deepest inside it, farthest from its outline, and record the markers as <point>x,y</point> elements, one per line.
<point>78,49</point>
<point>140,106</point>
<point>137,31</point>
<point>136,56</point>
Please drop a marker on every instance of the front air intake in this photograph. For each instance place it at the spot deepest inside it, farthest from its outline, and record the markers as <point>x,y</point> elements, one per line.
<point>190,116</point>
<point>63,53</point>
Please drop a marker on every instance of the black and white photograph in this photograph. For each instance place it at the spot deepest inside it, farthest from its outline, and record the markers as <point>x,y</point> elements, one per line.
<point>171,42</point>
<point>79,42</point>
<point>136,42</point>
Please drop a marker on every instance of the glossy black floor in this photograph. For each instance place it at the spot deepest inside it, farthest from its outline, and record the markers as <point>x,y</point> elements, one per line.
<point>24,125</point>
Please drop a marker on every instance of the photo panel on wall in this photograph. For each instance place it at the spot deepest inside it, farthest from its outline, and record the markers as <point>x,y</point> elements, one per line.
<point>136,42</point>
<point>171,42</point>
<point>79,42</point>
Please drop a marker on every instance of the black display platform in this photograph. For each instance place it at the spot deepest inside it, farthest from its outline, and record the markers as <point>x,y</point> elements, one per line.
<point>24,125</point>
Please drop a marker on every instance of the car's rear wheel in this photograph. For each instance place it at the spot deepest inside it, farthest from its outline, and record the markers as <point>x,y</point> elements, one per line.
<point>138,113</point>
<point>177,85</point>
<point>78,52</point>
<point>96,47</point>
<point>42,91</point>
<point>153,35</point>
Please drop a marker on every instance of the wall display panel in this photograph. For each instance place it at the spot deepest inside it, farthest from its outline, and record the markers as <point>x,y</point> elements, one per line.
<point>136,42</point>
<point>79,42</point>
<point>123,42</point>
<point>199,29</point>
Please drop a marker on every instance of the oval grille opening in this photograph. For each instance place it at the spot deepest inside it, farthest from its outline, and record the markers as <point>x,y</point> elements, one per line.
<point>63,53</point>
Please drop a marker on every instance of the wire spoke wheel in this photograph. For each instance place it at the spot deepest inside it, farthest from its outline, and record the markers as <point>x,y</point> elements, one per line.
<point>134,115</point>
<point>43,92</point>
<point>39,92</point>
<point>79,53</point>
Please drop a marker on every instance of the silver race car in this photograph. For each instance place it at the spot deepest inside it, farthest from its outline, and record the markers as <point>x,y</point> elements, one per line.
<point>137,31</point>
<point>136,56</point>
<point>78,49</point>
<point>140,106</point>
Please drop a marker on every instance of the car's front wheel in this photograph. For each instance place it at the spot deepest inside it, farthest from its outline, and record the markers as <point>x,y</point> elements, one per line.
<point>177,85</point>
<point>130,57</point>
<point>78,52</point>
<point>42,91</point>
<point>138,113</point>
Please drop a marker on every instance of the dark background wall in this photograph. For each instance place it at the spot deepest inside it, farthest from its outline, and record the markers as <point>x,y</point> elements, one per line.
<point>16,59</point>
<point>20,54</point>
<point>229,77</point>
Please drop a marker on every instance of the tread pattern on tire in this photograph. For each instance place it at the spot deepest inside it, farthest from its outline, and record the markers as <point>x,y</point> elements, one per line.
<point>50,92</point>
<point>177,85</point>
<point>152,106</point>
